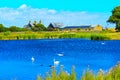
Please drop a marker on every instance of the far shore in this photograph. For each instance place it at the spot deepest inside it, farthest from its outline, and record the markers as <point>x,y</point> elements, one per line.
<point>59,34</point>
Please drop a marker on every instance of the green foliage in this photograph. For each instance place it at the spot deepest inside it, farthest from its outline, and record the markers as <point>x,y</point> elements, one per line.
<point>67,36</point>
<point>2,28</point>
<point>7,33</point>
<point>115,17</point>
<point>118,26</point>
<point>99,37</point>
<point>107,77</point>
<point>63,75</point>
<point>1,37</point>
<point>26,36</point>
<point>53,74</point>
<point>88,75</point>
<point>41,27</point>
<point>35,22</point>
<point>73,75</point>
<point>100,75</point>
<point>57,34</point>
<point>13,28</point>
<point>38,26</point>
<point>18,37</point>
<point>112,74</point>
<point>16,29</point>
<point>115,72</point>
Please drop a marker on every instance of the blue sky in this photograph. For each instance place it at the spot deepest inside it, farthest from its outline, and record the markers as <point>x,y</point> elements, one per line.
<point>68,12</point>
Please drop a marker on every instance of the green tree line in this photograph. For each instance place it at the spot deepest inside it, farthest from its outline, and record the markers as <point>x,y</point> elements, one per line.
<point>11,28</point>
<point>29,27</point>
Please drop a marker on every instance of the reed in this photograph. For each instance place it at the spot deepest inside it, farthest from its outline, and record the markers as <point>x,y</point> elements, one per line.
<point>58,34</point>
<point>99,37</point>
<point>61,75</point>
<point>112,74</point>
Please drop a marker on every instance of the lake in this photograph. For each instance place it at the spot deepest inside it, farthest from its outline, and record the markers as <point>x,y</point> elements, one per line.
<point>25,59</point>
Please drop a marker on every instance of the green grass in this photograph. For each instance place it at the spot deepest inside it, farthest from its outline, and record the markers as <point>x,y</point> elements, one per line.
<point>59,34</point>
<point>99,37</point>
<point>112,74</point>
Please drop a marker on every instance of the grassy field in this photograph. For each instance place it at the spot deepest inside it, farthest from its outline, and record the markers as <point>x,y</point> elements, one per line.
<point>113,36</point>
<point>112,74</point>
<point>59,34</point>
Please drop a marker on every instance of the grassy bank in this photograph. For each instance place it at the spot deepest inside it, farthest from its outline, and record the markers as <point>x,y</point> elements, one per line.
<point>112,74</point>
<point>58,34</point>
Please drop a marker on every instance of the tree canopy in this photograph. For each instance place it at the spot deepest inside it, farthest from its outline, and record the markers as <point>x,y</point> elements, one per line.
<point>115,17</point>
<point>38,26</point>
<point>3,28</point>
<point>16,29</point>
<point>35,27</point>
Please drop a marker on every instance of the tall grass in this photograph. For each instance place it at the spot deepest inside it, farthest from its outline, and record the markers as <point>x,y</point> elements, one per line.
<point>57,34</point>
<point>99,37</point>
<point>62,75</point>
<point>112,74</point>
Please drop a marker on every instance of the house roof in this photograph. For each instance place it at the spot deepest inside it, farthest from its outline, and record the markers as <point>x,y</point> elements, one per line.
<point>69,27</point>
<point>28,25</point>
<point>57,25</point>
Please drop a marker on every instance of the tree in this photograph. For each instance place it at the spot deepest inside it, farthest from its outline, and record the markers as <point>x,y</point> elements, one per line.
<point>16,29</point>
<point>39,26</point>
<point>2,28</point>
<point>35,22</point>
<point>115,17</point>
<point>13,28</point>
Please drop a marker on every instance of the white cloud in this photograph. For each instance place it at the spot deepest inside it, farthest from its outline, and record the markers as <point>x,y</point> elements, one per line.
<point>21,16</point>
<point>23,6</point>
<point>52,11</point>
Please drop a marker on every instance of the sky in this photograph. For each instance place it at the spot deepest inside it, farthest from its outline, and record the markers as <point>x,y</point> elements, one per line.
<point>67,12</point>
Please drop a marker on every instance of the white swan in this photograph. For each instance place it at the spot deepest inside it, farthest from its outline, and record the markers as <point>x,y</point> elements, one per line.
<point>102,43</point>
<point>60,54</point>
<point>56,62</point>
<point>33,59</point>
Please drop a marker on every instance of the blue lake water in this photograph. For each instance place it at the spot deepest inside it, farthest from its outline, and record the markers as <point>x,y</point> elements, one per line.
<point>15,56</point>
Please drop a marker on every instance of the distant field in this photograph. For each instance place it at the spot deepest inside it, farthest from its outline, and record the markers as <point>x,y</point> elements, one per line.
<point>59,34</point>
